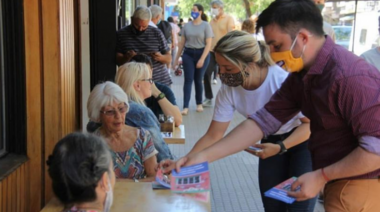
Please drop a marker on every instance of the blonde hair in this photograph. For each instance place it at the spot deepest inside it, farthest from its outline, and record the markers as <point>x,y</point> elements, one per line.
<point>241,49</point>
<point>248,26</point>
<point>104,94</point>
<point>130,73</point>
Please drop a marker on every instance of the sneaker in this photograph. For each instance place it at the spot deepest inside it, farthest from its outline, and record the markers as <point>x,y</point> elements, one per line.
<point>207,103</point>
<point>214,82</point>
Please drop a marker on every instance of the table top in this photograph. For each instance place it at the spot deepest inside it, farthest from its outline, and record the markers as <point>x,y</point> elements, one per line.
<point>177,137</point>
<point>140,197</point>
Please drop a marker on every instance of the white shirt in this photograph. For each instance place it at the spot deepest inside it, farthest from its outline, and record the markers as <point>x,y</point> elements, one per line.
<point>247,102</point>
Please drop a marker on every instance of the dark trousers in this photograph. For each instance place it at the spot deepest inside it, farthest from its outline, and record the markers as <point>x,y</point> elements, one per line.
<point>211,68</point>
<point>190,59</point>
<point>276,169</point>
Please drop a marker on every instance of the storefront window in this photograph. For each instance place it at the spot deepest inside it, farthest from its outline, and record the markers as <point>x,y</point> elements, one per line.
<point>355,24</point>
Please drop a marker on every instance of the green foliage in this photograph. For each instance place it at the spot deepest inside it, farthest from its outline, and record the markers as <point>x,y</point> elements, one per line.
<point>233,7</point>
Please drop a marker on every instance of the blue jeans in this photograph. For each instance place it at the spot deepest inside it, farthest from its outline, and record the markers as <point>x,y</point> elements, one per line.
<point>276,169</point>
<point>190,59</point>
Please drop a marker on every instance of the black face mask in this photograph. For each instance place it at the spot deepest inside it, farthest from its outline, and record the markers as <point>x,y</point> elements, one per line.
<point>233,80</point>
<point>136,31</point>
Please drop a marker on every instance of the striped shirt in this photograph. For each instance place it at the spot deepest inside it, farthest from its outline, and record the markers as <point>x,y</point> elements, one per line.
<point>340,94</point>
<point>152,40</point>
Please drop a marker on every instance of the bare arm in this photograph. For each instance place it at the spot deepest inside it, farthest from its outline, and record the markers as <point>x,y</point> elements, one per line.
<point>214,133</point>
<point>181,45</point>
<point>150,168</point>
<point>207,48</point>
<point>167,107</point>
<point>162,58</point>
<point>301,134</point>
<point>358,162</point>
<point>245,134</point>
<point>230,25</point>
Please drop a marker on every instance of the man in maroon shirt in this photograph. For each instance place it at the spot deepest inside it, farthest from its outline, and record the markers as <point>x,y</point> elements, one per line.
<point>338,91</point>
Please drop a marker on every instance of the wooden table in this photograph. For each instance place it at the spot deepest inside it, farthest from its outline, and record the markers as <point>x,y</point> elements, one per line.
<point>177,137</point>
<point>140,197</point>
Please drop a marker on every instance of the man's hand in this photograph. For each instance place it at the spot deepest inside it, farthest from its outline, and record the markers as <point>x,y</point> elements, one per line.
<point>157,56</point>
<point>310,185</point>
<point>129,54</point>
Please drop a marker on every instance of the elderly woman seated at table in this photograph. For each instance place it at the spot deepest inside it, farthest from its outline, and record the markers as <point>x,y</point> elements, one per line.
<point>133,151</point>
<point>82,173</point>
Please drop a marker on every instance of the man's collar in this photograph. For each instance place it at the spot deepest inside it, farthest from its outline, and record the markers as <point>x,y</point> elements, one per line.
<point>152,24</point>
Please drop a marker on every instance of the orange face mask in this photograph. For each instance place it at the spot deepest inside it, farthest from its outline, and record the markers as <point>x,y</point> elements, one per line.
<point>286,60</point>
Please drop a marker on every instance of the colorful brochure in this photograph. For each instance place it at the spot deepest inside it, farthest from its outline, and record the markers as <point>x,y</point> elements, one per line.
<point>280,192</point>
<point>162,179</point>
<point>191,179</point>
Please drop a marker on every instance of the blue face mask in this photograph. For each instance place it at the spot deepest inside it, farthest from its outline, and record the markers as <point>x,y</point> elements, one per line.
<point>159,21</point>
<point>195,15</point>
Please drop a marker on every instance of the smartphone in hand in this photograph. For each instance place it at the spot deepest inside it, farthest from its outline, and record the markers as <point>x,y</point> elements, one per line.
<point>255,149</point>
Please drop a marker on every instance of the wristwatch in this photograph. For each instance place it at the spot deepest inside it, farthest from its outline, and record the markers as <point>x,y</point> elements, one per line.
<point>160,96</point>
<point>283,148</point>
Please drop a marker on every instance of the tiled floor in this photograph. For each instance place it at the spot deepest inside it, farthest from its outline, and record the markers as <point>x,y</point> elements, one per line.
<point>234,179</point>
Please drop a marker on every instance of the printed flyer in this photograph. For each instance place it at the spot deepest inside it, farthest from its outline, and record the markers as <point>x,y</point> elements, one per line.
<point>280,192</point>
<point>193,181</point>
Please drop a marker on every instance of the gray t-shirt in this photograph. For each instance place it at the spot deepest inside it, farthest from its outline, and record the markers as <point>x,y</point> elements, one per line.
<point>372,56</point>
<point>196,35</point>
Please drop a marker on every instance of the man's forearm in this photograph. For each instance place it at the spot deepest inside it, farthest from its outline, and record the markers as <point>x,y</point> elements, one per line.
<point>245,134</point>
<point>356,163</point>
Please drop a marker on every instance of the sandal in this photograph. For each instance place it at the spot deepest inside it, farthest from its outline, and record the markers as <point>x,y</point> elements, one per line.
<point>199,108</point>
<point>185,111</point>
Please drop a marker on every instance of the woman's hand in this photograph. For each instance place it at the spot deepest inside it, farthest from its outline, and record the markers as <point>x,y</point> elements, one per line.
<point>268,150</point>
<point>175,64</point>
<point>200,63</point>
<point>155,91</point>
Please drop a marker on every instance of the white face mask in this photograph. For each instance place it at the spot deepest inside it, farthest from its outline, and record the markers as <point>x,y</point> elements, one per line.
<point>215,12</point>
<point>109,198</point>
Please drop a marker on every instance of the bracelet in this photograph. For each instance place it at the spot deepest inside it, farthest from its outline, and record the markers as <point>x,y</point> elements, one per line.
<point>324,175</point>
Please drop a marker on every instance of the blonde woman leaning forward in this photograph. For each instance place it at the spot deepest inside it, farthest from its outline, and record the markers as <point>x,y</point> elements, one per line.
<point>249,79</point>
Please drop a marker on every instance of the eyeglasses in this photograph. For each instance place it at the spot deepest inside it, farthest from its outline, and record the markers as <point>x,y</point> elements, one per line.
<point>150,80</point>
<point>113,112</point>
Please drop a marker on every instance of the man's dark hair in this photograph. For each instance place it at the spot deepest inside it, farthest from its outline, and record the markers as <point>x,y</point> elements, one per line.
<point>77,164</point>
<point>143,58</point>
<point>291,16</point>
<point>170,19</point>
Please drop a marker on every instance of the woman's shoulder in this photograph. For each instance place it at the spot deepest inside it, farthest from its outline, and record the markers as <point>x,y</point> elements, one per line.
<point>277,73</point>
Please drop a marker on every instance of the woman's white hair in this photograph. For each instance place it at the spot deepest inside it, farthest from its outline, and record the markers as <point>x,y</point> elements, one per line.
<point>102,95</point>
<point>130,73</point>
<point>142,13</point>
<point>155,10</point>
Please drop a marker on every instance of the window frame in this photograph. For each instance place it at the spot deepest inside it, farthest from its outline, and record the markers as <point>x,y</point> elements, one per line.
<point>3,145</point>
<point>13,72</point>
